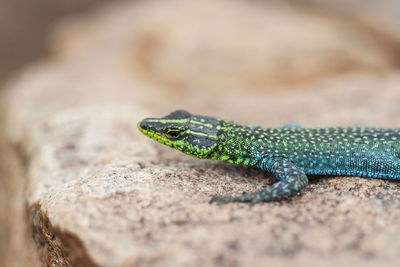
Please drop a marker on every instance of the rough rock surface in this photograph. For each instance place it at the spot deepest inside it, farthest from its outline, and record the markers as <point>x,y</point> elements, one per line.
<point>100,193</point>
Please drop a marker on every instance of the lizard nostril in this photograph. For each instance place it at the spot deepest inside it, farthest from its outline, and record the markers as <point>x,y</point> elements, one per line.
<point>142,125</point>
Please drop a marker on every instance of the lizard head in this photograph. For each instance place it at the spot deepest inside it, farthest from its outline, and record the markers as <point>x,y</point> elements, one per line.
<point>194,135</point>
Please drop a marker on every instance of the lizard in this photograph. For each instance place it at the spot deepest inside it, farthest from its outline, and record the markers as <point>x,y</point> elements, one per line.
<point>290,153</point>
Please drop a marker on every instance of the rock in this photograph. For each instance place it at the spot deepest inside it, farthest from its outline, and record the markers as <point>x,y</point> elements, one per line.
<point>269,45</point>
<point>17,247</point>
<point>101,194</point>
<point>382,17</point>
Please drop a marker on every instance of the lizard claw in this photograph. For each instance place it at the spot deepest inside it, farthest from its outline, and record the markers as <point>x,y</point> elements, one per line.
<point>227,199</point>
<point>215,199</point>
<point>221,199</point>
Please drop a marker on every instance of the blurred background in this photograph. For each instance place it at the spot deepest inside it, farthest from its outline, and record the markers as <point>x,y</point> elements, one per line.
<point>24,30</point>
<point>249,46</point>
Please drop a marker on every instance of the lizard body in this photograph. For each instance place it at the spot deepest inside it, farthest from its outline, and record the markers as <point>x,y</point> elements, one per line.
<point>289,153</point>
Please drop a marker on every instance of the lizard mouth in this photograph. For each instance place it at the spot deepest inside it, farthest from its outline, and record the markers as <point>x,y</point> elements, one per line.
<point>154,135</point>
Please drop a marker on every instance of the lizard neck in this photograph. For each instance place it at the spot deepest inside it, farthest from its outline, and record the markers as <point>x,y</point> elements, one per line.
<point>233,144</point>
<point>249,145</point>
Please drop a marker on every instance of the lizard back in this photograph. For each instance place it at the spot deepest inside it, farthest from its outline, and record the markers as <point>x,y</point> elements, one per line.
<point>351,151</point>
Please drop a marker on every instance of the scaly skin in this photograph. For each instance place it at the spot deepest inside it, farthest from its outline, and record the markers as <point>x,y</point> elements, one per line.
<point>289,153</point>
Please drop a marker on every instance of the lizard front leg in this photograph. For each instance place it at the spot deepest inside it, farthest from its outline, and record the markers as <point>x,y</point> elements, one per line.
<point>291,180</point>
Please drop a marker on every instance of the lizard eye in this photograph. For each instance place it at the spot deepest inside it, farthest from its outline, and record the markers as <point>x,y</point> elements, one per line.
<point>174,133</point>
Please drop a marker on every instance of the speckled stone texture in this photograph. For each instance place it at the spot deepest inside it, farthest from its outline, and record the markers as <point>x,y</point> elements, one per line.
<point>99,193</point>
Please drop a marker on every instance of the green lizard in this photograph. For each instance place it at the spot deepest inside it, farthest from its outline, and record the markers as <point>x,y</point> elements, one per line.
<point>289,153</point>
